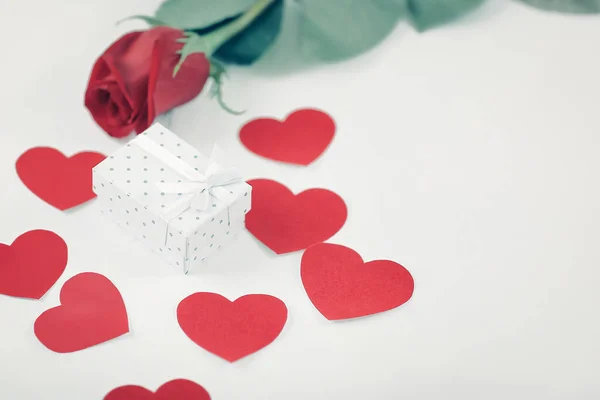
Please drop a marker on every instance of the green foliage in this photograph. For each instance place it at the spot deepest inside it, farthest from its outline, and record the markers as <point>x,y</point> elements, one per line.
<point>241,31</point>
<point>192,43</point>
<point>334,30</point>
<point>251,43</point>
<point>149,20</point>
<point>193,14</point>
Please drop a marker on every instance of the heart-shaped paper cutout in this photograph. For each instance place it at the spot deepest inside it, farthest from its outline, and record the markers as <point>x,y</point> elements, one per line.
<point>285,222</point>
<point>32,264</point>
<point>342,286</point>
<point>178,389</point>
<point>300,139</point>
<point>63,182</point>
<point>231,330</point>
<point>92,312</point>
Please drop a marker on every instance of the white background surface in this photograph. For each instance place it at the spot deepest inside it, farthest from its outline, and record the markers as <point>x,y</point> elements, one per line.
<point>469,154</point>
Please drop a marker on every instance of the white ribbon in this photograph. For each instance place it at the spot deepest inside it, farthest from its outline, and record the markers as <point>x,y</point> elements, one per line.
<point>197,187</point>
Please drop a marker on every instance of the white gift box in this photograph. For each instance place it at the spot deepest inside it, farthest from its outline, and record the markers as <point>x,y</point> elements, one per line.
<point>180,203</point>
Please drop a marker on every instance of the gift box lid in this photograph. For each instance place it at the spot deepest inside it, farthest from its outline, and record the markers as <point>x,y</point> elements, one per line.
<point>158,159</point>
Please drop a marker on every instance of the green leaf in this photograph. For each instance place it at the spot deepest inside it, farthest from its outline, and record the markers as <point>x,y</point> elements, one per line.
<point>192,43</point>
<point>567,6</point>
<point>332,30</point>
<point>247,46</point>
<point>149,20</point>
<point>218,73</point>
<point>426,14</point>
<point>192,14</point>
<point>241,39</point>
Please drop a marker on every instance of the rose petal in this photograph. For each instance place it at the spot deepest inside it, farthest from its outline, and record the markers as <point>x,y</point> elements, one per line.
<point>166,92</point>
<point>132,81</point>
<point>105,65</point>
<point>110,108</point>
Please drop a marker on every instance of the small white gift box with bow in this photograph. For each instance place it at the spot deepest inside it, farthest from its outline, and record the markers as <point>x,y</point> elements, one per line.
<point>180,203</point>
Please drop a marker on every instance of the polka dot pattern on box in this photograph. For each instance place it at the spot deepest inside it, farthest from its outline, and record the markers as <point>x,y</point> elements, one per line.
<point>128,182</point>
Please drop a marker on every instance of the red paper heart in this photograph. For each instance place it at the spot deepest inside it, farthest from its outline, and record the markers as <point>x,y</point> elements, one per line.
<point>32,264</point>
<point>300,139</point>
<point>231,330</point>
<point>342,286</point>
<point>285,222</point>
<point>92,312</point>
<point>60,181</point>
<point>178,389</point>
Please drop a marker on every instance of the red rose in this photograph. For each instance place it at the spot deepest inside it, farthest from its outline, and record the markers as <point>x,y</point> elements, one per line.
<point>132,82</point>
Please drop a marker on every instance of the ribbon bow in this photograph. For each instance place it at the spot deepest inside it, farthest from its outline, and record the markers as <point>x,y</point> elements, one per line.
<point>199,187</point>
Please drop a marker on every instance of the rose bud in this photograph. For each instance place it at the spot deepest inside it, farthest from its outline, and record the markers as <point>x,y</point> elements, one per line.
<point>132,82</point>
